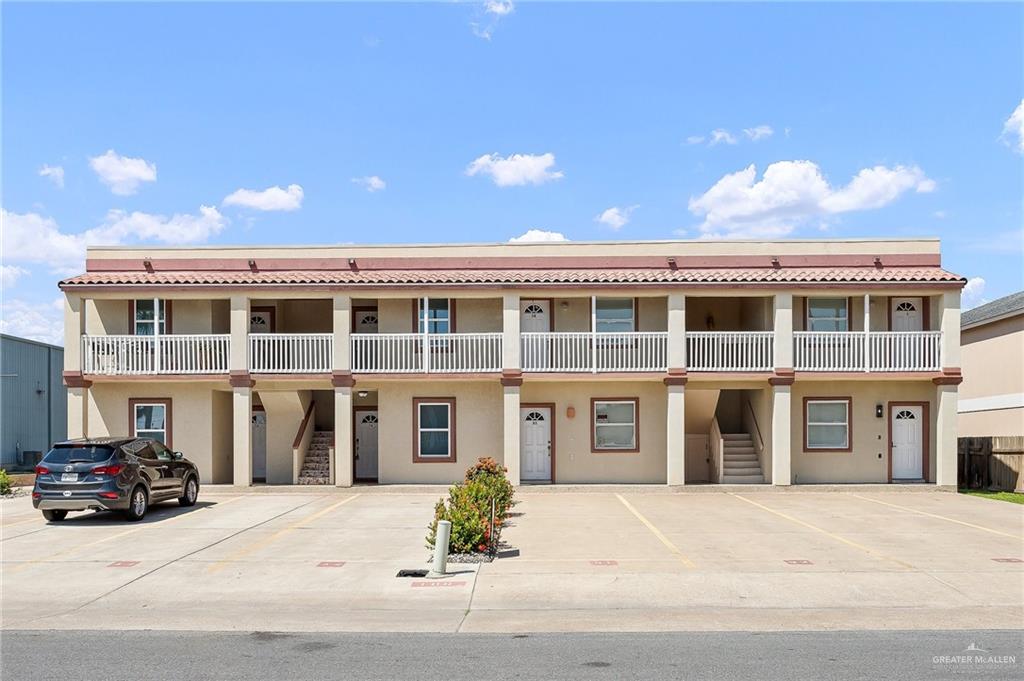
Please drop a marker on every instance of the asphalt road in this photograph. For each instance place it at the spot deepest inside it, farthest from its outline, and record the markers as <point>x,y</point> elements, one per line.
<point>822,656</point>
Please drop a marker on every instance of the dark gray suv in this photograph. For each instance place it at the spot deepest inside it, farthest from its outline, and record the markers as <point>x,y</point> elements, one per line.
<point>114,474</point>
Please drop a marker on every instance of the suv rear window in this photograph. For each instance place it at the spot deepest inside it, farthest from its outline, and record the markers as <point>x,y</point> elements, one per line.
<point>85,454</point>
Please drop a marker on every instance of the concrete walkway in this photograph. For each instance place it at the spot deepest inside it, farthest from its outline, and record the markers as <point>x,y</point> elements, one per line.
<point>601,560</point>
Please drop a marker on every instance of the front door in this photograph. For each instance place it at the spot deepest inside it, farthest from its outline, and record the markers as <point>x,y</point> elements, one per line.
<point>906,314</point>
<point>366,321</point>
<point>366,445</point>
<point>907,442</point>
<point>535,443</point>
<point>535,317</point>
<point>259,445</point>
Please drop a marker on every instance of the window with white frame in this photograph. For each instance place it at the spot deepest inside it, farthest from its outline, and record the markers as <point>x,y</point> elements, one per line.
<point>615,315</point>
<point>146,320</point>
<point>151,418</point>
<point>614,423</point>
<point>828,314</point>
<point>434,426</point>
<point>828,424</point>
<point>438,315</point>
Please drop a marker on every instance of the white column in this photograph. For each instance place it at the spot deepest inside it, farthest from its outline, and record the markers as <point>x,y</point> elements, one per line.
<point>675,438</point>
<point>782,443</point>
<point>946,435</point>
<point>510,344</point>
<point>242,427</point>
<point>73,329</point>
<point>239,361</point>
<point>78,412</point>
<point>343,461</point>
<point>783,328</point>
<point>511,432</point>
<point>341,359</point>
<point>676,331</point>
<point>593,334</point>
<point>867,332</point>
<point>949,317</point>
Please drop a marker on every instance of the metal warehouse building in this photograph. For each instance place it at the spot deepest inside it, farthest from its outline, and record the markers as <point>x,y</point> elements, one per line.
<point>33,401</point>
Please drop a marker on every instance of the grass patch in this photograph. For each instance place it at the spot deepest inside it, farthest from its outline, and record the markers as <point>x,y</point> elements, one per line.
<point>1012,497</point>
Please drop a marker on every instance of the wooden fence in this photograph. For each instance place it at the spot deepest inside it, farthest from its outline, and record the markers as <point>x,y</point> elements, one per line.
<point>994,463</point>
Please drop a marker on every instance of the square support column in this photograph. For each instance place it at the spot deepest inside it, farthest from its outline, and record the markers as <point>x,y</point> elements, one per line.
<point>949,324</point>
<point>511,431</point>
<point>676,332</point>
<point>238,362</point>
<point>344,463</point>
<point>341,358</point>
<point>946,433</point>
<point>78,412</point>
<point>675,439</point>
<point>74,327</point>
<point>510,318</point>
<point>782,348</point>
<point>242,427</point>
<point>782,440</point>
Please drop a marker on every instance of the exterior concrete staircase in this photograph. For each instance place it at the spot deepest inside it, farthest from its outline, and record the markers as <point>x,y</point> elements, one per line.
<point>739,460</point>
<point>316,468</point>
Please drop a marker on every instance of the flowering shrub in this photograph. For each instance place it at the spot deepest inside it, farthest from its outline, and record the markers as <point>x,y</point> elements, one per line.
<point>469,508</point>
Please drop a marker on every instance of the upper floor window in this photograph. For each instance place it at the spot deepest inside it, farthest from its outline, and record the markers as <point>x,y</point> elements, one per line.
<point>615,315</point>
<point>439,315</point>
<point>828,314</point>
<point>145,319</point>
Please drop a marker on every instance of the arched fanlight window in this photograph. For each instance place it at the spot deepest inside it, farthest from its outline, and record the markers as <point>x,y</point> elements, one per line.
<point>370,419</point>
<point>534,309</point>
<point>906,306</point>
<point>904,415</point>
<point>369,319</point>
<point>534,417</point>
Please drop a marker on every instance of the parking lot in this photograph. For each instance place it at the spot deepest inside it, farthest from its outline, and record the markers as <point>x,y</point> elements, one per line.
<point>602,560</point>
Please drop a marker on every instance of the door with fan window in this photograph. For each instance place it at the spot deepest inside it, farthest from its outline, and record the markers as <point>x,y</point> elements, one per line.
<point>535,444</point>
<point>908,431</point>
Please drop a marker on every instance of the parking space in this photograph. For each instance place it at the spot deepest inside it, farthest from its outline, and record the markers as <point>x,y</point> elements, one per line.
<point>601,560</point>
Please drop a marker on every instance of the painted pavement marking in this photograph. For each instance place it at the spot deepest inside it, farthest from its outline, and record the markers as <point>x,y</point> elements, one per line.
<point>940,517</point>
<point>657,533</point>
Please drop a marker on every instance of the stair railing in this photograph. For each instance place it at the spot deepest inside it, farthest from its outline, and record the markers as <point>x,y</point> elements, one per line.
<point>717,444</point>
<point>300,446</point>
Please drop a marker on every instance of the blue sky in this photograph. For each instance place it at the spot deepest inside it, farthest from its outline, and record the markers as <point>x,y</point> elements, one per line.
<point>168,124</point>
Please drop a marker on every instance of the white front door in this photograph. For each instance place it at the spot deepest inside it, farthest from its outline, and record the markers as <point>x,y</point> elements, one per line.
<point>366,445</point>
<point>535,443</point>
<point>366,321</point>
<point>906,314</point>
<point>259,445</point>
<point>907,442</point>
<point>535,315</point>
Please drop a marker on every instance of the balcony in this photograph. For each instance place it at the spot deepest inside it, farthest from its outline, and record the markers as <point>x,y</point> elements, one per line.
<point>879,351</point>
<point>290,353</point>
<point>125,355</point>
<point>583,351</point>
<point>730,351</point>
<point>402,353</point>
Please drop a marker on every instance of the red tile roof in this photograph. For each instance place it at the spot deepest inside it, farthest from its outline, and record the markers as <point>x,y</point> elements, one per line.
<point>525,277</point>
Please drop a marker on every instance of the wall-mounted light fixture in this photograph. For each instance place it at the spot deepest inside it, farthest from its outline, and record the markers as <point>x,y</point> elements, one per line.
<point>362,394</point>
<point>570,412</point>
<point>879,410</point>
<point>564,305</point>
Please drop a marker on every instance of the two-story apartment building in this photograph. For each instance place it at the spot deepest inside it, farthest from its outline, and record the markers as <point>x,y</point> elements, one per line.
<point>677,362</point>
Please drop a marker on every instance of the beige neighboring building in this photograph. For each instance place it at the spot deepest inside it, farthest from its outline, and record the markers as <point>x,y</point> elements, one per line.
<point>992,348</point>
<point>667,362</point>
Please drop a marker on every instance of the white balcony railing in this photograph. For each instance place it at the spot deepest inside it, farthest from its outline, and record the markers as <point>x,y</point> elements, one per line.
<point>290,353</point>
<point>580,351</point>
<point>874,351</point>
<point>402,353</point>
<point>729,350</point>
<point>123,355</point>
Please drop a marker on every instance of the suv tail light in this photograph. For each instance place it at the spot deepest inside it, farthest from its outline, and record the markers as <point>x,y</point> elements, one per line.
<point>42,470</point>
<point>108,495</point>
<point>107,470</point>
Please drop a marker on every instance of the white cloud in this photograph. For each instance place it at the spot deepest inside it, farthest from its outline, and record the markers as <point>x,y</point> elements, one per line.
<point>370,183</point>
<point>517,169</point>
<point>973,293</point>
<point>758,132</point>
<point>122,174</point>
<point>939,215</point>
<point>271,198</point>
<point>720,136</point>
<point>1013,129</point>
<point>615,217</point>
<point>537,235</point>
<point>9,275</point>
<point>694,139</point>
<point>39,322</point>
<point>793,192</point>
<point>32,238</point>
<point>490,15</point>
<point>55,173</point>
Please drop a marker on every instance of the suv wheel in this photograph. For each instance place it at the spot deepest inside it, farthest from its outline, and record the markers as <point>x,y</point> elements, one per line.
<point>137,504</point>
<point>191,493</point>
<point>54,516</point>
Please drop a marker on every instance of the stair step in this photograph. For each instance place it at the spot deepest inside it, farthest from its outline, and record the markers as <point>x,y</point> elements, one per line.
<point>735,436</point>
<point>310,480</point>
<point>738,449</point>
<point>746,458</point>
<point>743,479</point>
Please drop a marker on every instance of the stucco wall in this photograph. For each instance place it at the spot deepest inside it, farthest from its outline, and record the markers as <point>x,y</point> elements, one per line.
<point>221,454</point>
<point>992,358</point>
<point>106,317</point>
<point>574,462</point>
<point>868,461</point>
<point>192,316</point>
<point>478,424</point>
<point>991,423</point>
<point>192,414</point>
